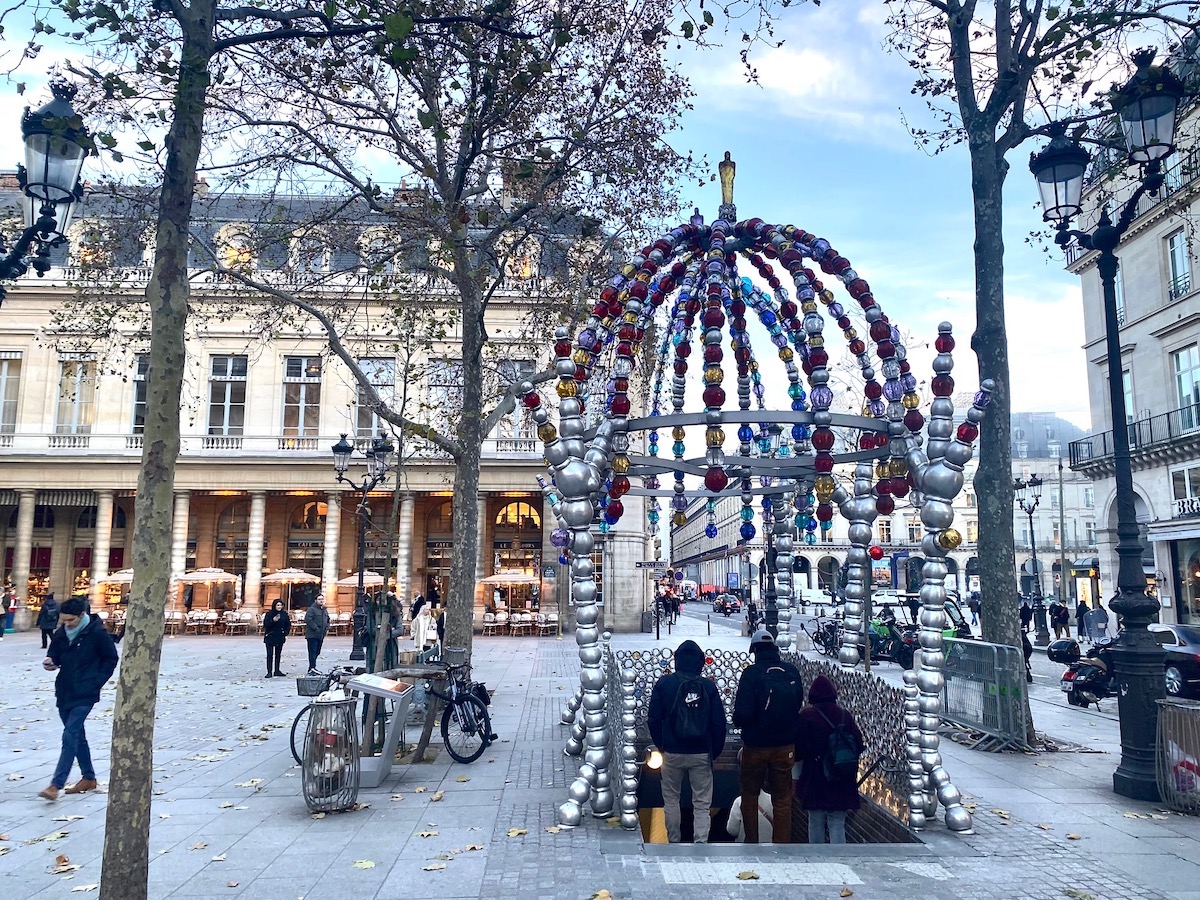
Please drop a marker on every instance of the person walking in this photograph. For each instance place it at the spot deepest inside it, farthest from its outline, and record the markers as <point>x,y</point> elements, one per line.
<point>47,619</point>
<point>276,626</point>
<point>1026,615</point>
<point>767,708</point>
<point>687,723</point>
<point>84,656</point>
<point>825,792</point>
<point>6,611</point>
<point>973,604</point>
<point>316,626</point>
<point>1060,619</point>
<point>1081,611</point>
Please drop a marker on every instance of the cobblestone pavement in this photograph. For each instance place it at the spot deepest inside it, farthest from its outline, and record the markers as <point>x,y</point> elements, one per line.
<point>229,820</point>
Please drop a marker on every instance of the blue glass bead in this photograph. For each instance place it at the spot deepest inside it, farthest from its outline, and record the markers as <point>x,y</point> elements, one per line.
<point>747,531</point>
<point>810,538</point>
<point>747,514</point>
<point>653,516</point>
<point>710,531</point>
<point>745,433</point>
<point>827,526</point>
<point>799,432</point>
<point>769,318</point>
<point>795,390</point>
<point>678,448</point>
<point>835,310</point>
<point>798,405</point>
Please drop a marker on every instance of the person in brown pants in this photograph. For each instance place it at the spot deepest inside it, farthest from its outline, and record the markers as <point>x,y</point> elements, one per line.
<point>767,708</point>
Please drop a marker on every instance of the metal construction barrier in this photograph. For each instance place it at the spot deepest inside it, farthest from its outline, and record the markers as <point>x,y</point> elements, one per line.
<point>985,691</point>
<point>1178,754</point>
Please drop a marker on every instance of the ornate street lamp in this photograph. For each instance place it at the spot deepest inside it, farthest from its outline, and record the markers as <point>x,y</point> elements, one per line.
<point>378,465</point>
<point>1146,107</point>
<point>1027,493</point>
<point>56,144</point>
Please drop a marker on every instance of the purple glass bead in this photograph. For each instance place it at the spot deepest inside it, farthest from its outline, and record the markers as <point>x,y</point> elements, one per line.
<point>587,339</point>
<point>836,310</point>
<point>878,408</point>
<point>779,340</point>
<point>893,390</point>
<point>908,382</point>
<point>759,390</point>
<point>821,397</point>
<point>982,399</point>
<point>679,503</point>
<point>560,537</point>
<point>896,335</point>
<point>650,482</point>
<point>742,339</point>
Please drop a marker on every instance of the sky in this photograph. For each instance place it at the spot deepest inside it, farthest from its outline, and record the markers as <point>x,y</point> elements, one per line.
<point>821,143</point>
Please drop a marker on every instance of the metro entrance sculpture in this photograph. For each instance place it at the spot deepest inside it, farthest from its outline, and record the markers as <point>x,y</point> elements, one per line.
<point>691,275</point>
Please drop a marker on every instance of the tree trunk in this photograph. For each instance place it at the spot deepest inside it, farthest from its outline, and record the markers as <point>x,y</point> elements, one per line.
<point>993,479</point>
<point>127,827</point>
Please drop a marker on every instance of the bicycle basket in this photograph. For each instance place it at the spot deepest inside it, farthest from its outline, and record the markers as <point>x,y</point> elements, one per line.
<point>479,689</point>
<point>454,656</point>
<point>310,685</point>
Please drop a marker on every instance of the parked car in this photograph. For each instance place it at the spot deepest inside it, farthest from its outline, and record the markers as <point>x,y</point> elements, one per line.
<point>727,603</point>
<point>1181,658</point>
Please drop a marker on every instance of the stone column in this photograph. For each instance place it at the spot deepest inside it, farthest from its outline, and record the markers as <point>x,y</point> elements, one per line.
<point>26,502</point>
<point>404,554</point>
<point>254,552</point>
<point>179,535</point>
<point>102,542</point>
<point>333,534</point>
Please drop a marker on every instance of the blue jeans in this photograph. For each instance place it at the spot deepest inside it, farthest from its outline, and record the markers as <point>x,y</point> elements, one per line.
<point>74,746</point>
<point>834,818</point>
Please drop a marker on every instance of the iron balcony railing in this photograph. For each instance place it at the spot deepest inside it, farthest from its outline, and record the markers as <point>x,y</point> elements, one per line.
<point>1153,431</point>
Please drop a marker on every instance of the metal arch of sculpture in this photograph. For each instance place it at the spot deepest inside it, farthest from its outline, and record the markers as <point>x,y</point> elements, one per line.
<point>696,264</point>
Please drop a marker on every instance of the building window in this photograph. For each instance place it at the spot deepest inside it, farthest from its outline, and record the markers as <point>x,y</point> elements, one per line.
<point>1054,500</point>
<point>1057,536</point>
<point>1089,498</point>
<point>10,383</point>
<point>885,531</point>
<point>1119,292</point>
<point>1185,490</point>
<point>310,253</point>
<point>301,396</point>
<point>972,531</point>
<point>227,395</point>
<point>516,424</point>
<point>915,530</point>
<point>1022,450</point>
<point>1055,449</point>
<point>970,498</point>
<point>445,388</point>
<point>381,372</point>
<point>1089,533</point>
<point>76,393</point>
<point>1186,365</point>
<point>1180,265</point>
<point>140,368</point>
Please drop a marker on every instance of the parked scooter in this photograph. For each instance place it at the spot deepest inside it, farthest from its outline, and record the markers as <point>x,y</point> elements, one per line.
<point>890,642</point>
<point>1088,679</point>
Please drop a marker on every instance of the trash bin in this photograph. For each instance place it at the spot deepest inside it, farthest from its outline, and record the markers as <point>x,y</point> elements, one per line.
<point>1178,754</point>
<point>330,772</point>
<point>647,623</point>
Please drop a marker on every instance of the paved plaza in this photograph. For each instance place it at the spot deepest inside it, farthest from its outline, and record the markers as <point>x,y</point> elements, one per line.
<point>229,820</point>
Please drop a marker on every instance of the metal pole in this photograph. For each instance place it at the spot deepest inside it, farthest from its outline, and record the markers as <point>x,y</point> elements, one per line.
<point>1063,572</point>
<point>1042,634</point>
<point>1137,657</point>
<point>771,611</point>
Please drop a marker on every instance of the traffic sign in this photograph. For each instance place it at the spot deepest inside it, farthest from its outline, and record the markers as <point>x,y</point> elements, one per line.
<point>651,564</point>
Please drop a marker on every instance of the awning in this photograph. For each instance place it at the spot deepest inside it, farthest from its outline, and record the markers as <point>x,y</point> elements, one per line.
<point>1174,530</point>
<point>1085,566</point>
<point>510,578</point>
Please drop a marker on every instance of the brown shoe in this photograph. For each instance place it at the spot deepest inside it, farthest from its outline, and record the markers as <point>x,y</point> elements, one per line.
<point>82,786</point>
<point>49,793</point>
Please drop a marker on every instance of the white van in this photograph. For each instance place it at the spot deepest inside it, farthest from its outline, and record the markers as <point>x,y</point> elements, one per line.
<point>689,589</point>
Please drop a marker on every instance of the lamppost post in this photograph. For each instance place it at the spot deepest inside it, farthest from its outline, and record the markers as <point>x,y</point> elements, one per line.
<point>1028,493</point>
<point>1146,107</point>
<point>378,465</point>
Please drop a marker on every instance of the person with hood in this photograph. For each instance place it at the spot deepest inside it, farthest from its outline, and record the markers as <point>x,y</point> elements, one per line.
<point>825,802</point>
<point>1081,622</point>
<point>83,654</point>
<point>767,709</point>
<point>277,624</point>
<point>687,723</point>
<point>47,619</point>
<point>316,626</point>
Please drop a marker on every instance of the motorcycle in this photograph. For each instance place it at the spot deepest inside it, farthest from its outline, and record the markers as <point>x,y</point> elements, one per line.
<point>1089,678</point>
<point>891,643</point>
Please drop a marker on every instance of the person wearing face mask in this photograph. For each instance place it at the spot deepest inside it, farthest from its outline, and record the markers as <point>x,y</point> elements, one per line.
<point>83,654</point>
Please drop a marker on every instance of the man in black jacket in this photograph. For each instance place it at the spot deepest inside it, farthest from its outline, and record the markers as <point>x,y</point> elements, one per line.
<point>766,707</point>
<point>84,655</point>
<point>687,723</point>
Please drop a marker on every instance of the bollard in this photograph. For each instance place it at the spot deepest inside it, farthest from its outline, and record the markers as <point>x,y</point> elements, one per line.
<point>668,627</point>
<point>708,619</point>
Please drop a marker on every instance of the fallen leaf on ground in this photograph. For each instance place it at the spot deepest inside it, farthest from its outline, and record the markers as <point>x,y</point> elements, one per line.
<point>418,790</point>
<point>845,892</point>
<point>470,847</point>
<point>220,857</point>
<point>1074,837</point>
<point>4,837</point>
<point>434,867</point>
<point>52,836</point>
<point>231,884</point>
<point>426,834</point>
<point>437,795</point>
<point>552,829</point>
<point>1077,894</point>
<point>1133,815</point>
<point>462,778</point>
<point>253,782</point>
<point>4,850</point>
<point>396,797</point>
<point>16,777</point>
<point>442,856</point>
<point>225,805</point>
<point>318,815</point>
<point>164,815</point>
<point>199,845</point>
<point>83,887</point>
<point>602,895</point>
<point>747,876</point>
<point>1003,813</point>
<point>1044,826</point>
<point>517,832</point>
<point>364,864</point>
<point>61,859</point>
<point>67,818</point>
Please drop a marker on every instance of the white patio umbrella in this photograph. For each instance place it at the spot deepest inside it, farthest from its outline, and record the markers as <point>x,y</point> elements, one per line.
<point>288,577</point>
<point>125,576</point>
<point>370,579</point>
<point>208,576</point>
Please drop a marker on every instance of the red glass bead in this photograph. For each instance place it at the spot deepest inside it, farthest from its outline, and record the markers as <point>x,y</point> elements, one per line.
<point>944,343</point>
<point>712,318</point>
<point>774,283</point>
<point>621,384</point>
<point>769,252</point>
<point>823,462</point>
<point>876,552</point>
<point>824,512</point>
<point>873,390</point>
<point>885,349</point>
<point>581,373</point>
<point>684,350</point>
<point>788,309</point>
<point>883,486</point>
<point>608,294</point>
<point>866,441</point>
<point>625,332</point>
<point>678,270</point>
<point>620,487</point>
<point>880,330</point>
<point>562,348</point>
<point>791,258</point>
<point>692,306</point>
<point>844,322</point>
<point>942,385</point>
<point>857,347</point>
<point>639,289</point>
<point>532,400</point>
<point>620,405</point>
<point>666,284</point>
<point>967,432</point>
<point>714,396</point>
<point>822,439</point>
<point>738,307</point>
<point>715,479</point>
<point>914,420</point>
<point>905,367</point>
<point>615,508</point>
<point>713,353</point>
<point>900,487</point>
<point>857,288</point>
<point>681,367</point>
<point>885,506</point>
<point>624,348</point>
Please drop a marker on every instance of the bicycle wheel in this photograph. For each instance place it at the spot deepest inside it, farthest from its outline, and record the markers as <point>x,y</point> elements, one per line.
<point>466,728</point>
<point>298,725</point>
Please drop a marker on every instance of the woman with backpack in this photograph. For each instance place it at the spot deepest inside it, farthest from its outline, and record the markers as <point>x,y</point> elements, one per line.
<point>828,744</point>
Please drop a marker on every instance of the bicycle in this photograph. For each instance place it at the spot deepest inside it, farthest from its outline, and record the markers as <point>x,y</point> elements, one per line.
<point>466,724</point>
<point>313,686</point>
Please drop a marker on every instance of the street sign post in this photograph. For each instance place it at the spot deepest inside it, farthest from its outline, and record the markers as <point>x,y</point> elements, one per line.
<point>656,564</point>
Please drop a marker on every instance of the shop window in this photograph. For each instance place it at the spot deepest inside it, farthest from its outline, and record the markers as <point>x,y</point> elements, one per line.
<point>521,516</point>
<point>310,517</point>
<point>1185,490</point>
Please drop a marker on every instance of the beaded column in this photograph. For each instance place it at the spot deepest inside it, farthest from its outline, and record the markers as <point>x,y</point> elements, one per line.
<point>859,511</point>
<point>629,760</point>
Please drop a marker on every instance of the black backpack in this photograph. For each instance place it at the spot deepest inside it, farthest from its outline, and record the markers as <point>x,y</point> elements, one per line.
<point>689,713</point>
<point>840,762</point>
<point>779,700</point>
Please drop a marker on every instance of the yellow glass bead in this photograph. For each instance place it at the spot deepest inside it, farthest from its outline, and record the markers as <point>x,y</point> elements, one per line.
<point>620,464</point>
<point>898,467</point>
<point>949,539</point>
<point>567,389</point>
<point>883,470</point>
<point>911,400</point>
<point>850,333</point>
<point>824,486</point>
<point>815,340</point>
<point>628,270</point>
<point>581,357</point>
<point>785,353</point>
<point>678,433</point>
<point>715,437</point>
<point>808,306</point>
<point>826,296</point>
<point>643,277</point>
<point>713,375</point>
<point>753,365</point>
<point>679,519</point>
<point>547,432</point>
